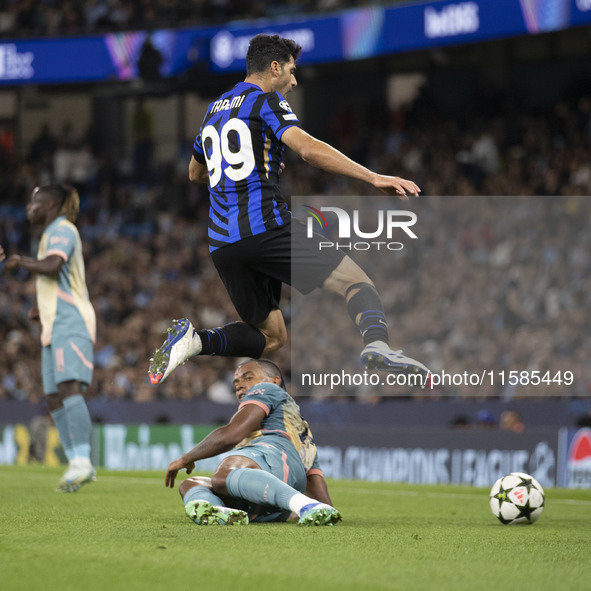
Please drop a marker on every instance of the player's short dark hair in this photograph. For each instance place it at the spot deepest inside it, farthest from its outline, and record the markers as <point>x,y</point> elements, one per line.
<point>265,49</point>
<point>268,367</point>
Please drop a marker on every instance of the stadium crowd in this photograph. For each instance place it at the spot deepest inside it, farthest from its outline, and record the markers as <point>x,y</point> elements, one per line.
<point>499,279</point>
<point>70,17</point>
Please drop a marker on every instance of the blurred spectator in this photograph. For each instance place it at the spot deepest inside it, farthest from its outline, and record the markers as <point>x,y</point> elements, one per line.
<point>149,62</point>
<point>37,17</point>
<point>38,429</point>
<point>43,146</point>
<point>485,419</point>
<point>460,422</point>
<point>143,142</point>
<point>511,421</point>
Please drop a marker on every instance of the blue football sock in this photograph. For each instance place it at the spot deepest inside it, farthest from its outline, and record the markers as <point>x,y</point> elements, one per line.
<point>260,487</point>
<point>80,425</point>
<point>60,418</point>
<point>366,305</point>
<point>202,493</point>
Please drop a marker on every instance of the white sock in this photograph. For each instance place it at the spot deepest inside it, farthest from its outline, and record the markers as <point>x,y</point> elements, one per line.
<point>298,501</point>
<point>196,345</point>
<point>81,462</point>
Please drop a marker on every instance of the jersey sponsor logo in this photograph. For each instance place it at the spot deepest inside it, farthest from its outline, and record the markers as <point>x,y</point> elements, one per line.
<point>58,240</point>
<point>259,391</point>
<point>290,117</point>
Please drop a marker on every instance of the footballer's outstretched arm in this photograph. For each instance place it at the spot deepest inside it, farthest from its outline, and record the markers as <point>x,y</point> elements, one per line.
<point>47,266</point>
<point>323,155</point>
<point>244,422</point>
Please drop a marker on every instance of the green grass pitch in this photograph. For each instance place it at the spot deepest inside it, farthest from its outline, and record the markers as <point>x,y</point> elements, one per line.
<point>127,532</point>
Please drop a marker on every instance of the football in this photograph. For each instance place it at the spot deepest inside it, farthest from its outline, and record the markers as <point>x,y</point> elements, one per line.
<point>517,498</point>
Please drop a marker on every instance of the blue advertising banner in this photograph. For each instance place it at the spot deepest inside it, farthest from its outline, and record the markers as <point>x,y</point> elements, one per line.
<point>350,35</point>
<point>370,32</point>
<point>115,56</point>
<point>444,23</point>
<point>320,40</point>
<point>580,12</point>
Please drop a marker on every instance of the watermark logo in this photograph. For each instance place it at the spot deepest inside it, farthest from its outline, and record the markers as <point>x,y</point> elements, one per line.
<point>315,215</point>
<point>351,236</point>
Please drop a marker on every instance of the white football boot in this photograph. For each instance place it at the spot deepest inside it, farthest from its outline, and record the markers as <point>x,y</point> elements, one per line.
<point>181,343</point>
<point>318,514</point>
<point>204,513</point>
<point>80,471</point>
<point>378,356</point>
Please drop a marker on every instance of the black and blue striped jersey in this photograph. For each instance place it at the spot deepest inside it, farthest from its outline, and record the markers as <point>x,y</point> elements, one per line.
<point>240,143</point>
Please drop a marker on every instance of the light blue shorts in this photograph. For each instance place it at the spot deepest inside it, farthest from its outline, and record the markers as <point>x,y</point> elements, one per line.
<point>279,458</point>
<point>66,359</point>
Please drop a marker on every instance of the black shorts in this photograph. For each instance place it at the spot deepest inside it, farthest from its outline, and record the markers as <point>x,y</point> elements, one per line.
<point>254,268</point>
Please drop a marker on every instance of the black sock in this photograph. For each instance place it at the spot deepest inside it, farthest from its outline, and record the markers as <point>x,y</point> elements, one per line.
<point>367,302</point>
<point>236,339</point>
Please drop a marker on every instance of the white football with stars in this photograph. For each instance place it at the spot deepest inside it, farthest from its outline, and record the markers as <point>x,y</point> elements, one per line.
<point>517,498</point>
